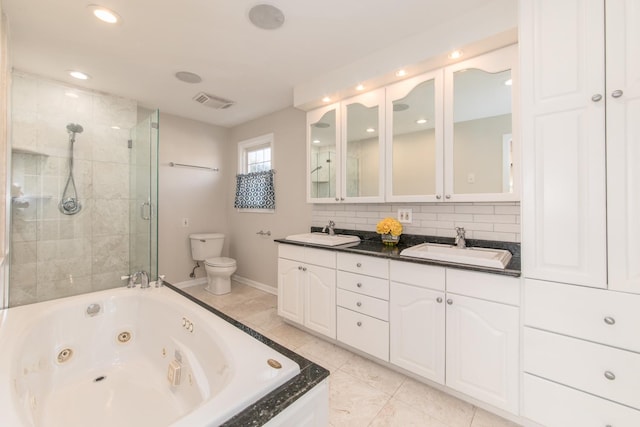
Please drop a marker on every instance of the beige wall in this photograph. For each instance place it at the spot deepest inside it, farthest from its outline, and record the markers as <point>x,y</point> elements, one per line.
<point>257,256</point>
<point>4,156</point>
<point>414,163</point>
<point>199,195</point>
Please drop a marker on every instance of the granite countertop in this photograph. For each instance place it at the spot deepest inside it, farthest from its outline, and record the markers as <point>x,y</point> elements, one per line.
<point>370,244</point>
<point>260,412</point>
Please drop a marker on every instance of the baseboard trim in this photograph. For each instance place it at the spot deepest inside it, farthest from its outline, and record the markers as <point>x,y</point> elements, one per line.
<point>190,283</point>
<point>261,286</point>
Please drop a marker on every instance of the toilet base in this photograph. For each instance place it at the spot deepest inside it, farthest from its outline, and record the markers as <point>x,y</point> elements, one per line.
<point>218,285</point>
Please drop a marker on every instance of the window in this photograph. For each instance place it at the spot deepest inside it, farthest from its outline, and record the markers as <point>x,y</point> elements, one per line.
<point>255,190</point>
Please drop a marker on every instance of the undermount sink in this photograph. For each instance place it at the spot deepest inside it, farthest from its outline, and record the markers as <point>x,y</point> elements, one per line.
<point>324,239</point>
<point>483,257</point>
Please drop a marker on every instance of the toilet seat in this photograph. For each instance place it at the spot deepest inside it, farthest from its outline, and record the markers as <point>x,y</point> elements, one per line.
<point>220,262</point>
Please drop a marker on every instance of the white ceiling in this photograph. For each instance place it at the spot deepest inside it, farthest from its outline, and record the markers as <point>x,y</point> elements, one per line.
<point>256,68</point>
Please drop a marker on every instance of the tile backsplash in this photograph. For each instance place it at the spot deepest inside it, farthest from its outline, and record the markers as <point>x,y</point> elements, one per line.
<point>482,221</point>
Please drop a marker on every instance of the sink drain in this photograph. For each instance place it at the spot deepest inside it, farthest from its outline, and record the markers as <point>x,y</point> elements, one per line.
<point>124,337</point>
<point>64,355</point>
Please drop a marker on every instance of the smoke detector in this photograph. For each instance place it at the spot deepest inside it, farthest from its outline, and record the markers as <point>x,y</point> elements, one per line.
<point>212,101</point>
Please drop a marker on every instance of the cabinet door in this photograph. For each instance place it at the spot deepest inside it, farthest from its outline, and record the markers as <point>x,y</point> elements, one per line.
<point>362,123</point>
<point>323,155</point>
<point>417,330</point>
<point>623,143</point>
<point>483,350</point>
<point>320,300</point>
<point>563,141</point>
<point>414,142</point>
<point>481,150</point>
<point>290,290</point>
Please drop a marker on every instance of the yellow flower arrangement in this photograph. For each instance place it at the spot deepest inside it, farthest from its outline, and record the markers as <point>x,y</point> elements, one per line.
<point>389,226</point>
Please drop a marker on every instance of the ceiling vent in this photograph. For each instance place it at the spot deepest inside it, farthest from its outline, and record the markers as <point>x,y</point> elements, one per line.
<point>211,101</point>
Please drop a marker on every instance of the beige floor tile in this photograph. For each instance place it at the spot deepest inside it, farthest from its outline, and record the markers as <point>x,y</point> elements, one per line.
<point>248,307</point>
<point>325,354</point>
<point>375,375</point>
<point>483,418</point>
<point>353,403</point>
<point>289,336</point>
<point>264,321</point>
<point>399,414</point>
<point>441,406</point>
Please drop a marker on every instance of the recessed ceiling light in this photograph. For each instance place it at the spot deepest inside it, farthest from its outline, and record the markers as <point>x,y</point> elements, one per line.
<point>401,73</point>
<point>188,77</point>
<point>266,16</point>
<point>370,130</point>
<point>508,82</point>
<point>79,75</point>
<point>455,54</point>
<point>326,99</point>
<point>104,14</point>
<point>316,141</point>
<point>421,121</point>
<point>72,94</point>
<point>360,87</point>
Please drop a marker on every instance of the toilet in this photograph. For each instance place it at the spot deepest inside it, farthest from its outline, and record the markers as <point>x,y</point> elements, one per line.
<point>207,247</point>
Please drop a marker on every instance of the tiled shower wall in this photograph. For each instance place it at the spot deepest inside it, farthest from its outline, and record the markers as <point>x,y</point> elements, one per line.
<point>484,221</point>
<point>55,255</point>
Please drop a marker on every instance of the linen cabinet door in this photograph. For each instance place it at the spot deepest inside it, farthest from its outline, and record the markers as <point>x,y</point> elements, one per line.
<point>623,139</point>
<point>320,300</point>
<point>417,332</point>
<point>290,290</point>
<point>483,350</point>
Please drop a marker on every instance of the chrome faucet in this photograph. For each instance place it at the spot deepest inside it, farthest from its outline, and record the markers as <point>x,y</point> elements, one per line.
<point>331,226</point>
<point>460,241</point>
<point>139,276</point>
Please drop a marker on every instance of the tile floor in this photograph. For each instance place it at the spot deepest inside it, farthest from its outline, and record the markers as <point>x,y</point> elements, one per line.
<point>361,392</point>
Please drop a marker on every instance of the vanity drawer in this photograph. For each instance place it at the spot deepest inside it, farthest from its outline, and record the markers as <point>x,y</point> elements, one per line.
<point>373,307</point>
<point>363,264</point>
<point>364,333</point>
<point>492,287</point>
<point>606,317</point>
<point>554,405</point>
<point>321,257</point>
<point>423,276</point>
<point>367,285</point>
<point>601,370</point>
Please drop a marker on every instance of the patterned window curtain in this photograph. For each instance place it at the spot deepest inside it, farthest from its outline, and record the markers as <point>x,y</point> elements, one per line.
<point>255,191</point>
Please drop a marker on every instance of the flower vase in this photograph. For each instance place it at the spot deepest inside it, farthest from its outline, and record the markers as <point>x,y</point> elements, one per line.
<point>389,239</point>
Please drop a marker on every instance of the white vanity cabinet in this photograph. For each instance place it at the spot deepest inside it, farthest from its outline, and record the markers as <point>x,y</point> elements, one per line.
<point>345,151</point>
<point>363,304</point>
<point>481,314</point>
<point>307,287</point>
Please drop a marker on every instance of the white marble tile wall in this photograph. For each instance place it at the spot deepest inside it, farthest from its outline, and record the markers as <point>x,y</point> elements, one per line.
<point>485,221</point>
<point>55,255</point>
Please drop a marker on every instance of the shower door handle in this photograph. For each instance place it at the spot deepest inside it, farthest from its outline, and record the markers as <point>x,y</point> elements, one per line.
<point>143,212</point>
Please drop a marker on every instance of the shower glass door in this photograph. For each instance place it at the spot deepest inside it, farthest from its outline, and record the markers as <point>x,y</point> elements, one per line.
<point>143,212</point>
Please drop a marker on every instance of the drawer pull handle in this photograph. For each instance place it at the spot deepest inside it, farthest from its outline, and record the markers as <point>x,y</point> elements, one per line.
<point>616,93</point>
<point>359,265</point>
<point>359,323</point>
<point>359,285</point>
<point>359,304</point>
<point>439,300</point>
<point>449,301</point>
<point>609,320</point>
<point>609,375</point>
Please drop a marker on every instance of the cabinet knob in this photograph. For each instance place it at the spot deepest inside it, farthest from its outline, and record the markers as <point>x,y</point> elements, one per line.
<point>304,268</point>
<point>359,265</point>
<point>597,97</point>
<point>609,320</point>
<point>359,304</point>
<point>359,323</point>
<point>359,285</point>
<point>438,196</point>
<point>609,375</point>
<point>337,199</point>
<point>299,267</point>
<point>342,199</point>
<point>448,196</point>
<point>439,300</point>
<point>617,93</point>
<point>449,301</point>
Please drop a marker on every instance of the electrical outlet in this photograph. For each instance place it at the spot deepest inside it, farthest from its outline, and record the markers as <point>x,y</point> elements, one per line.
<point>185,222</point>
<point>471,178</point>
<point>405,216</point>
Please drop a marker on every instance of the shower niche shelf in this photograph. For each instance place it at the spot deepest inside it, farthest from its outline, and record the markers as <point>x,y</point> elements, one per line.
<point>19,150</point>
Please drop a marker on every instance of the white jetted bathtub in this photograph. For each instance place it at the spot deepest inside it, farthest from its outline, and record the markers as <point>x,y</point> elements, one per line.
<point>129,357</point>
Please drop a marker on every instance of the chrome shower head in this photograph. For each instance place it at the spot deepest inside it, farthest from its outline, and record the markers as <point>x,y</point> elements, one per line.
<point>74,128</point>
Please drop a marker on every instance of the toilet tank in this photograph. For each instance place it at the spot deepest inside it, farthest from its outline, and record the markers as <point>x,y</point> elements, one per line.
<point>206,245</point>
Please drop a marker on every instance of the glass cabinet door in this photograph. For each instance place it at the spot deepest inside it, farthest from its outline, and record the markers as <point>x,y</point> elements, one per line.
<point>479,147</point>
<point>363,149</point>
<point>414,139</point>
<point>323,162</point>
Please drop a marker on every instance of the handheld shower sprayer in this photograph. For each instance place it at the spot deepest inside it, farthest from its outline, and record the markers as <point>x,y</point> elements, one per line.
<point>69,203</point>
<point>72,130</point>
